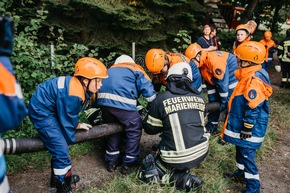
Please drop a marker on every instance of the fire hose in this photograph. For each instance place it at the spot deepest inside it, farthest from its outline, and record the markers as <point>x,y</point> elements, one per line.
<point>34,144</point>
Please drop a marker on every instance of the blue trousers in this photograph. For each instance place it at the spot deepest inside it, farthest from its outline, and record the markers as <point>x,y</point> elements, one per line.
<point>132,126</point>
<point>51,134</point>
<point>245,158</point>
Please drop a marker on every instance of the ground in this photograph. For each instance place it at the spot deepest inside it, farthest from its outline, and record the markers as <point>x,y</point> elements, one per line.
<point>274,169</point>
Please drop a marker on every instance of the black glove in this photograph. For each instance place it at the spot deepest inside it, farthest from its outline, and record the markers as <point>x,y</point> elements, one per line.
<point>272,49</point>
<point>245,133</point>
<point>142,111</point>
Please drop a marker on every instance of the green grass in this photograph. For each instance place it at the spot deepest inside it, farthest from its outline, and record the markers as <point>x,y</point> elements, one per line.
<point>221,158</point>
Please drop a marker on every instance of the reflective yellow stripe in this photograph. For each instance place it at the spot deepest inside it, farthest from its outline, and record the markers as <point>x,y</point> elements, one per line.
<point>248,125</point>
<point>188,158</point>
<point>154,122</point>
<point>188,151</point>
<point>176,131</point>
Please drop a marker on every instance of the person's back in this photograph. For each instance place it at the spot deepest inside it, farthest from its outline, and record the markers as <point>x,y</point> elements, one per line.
<point>126,82</point>
<point>217,69</point>
<point>118,100</point>
<point>179,115</point>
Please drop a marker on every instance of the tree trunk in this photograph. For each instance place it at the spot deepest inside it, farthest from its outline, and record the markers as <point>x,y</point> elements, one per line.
<point>274,27</point>
<point>249,11</point>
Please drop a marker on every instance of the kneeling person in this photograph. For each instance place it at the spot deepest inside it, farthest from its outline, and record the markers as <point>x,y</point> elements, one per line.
<point>179,114</point>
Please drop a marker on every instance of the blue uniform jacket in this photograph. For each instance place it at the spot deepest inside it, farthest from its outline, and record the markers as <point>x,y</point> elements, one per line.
<point>217,68</point>
<point>61,99</point>
<point>125,83</point>
<point>13,110</point>
<point>248,105</point>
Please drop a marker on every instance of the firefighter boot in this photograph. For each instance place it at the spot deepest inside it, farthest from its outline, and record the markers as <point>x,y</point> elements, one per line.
<point>53,181</point>
<point>193,183</point>
<point>236,176</point>
<point>186,181</point>
<point>62,187</point>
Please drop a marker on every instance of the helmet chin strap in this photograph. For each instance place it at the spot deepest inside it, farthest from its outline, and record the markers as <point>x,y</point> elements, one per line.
<point>81,79</point>
<point>87,87</point>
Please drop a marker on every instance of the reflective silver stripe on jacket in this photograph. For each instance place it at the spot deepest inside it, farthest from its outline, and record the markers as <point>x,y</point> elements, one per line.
<point>237,136</point>
<point>117,98</point>
<point>60,82</point>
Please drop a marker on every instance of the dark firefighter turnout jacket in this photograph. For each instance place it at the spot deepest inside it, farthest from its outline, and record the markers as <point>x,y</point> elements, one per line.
<point>179,115</point>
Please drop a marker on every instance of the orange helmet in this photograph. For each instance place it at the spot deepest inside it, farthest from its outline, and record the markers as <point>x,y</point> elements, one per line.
<point>251,51</point>
<point>243,27</point>
<point>90,68</point>
<point>155,59</point>
<point>192,50</point>
<point>267,34</point>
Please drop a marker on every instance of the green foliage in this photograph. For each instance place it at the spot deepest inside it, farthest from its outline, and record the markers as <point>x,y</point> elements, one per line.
<point>33,63</point>
<point>182,40</point>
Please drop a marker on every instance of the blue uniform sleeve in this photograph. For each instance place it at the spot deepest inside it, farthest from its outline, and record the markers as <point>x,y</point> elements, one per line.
<point>196,77</point>
<point>145,87</point>
<point>13,108</point>
<point>222,87</point>
<point>68,108</point>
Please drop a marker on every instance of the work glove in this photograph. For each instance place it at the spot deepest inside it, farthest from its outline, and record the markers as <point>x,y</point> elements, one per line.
<point>142,111</point>
<point>84,126</point>
<point>245,133</point>
<point>94,116</point>
<point>272,49</point>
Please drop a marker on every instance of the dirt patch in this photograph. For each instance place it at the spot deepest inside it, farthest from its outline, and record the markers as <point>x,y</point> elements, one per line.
<point>90,167</point>
<point>274,169</point>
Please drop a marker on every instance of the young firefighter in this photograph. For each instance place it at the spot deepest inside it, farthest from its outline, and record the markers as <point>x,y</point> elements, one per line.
<point>178,114</point>
<point>242,35</point>
<point>270,46</point>
<point>284,57</point>
<point>13,109</point>
<point>248,109</point>
<point>159,62</point>
<point>54,109</point>
<point>217,69</point>
<point>118,100</point>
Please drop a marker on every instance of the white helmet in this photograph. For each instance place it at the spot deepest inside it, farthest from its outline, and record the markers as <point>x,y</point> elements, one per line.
<point>278,68</point>
<point>180,69</point>
<point>124,59</point>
